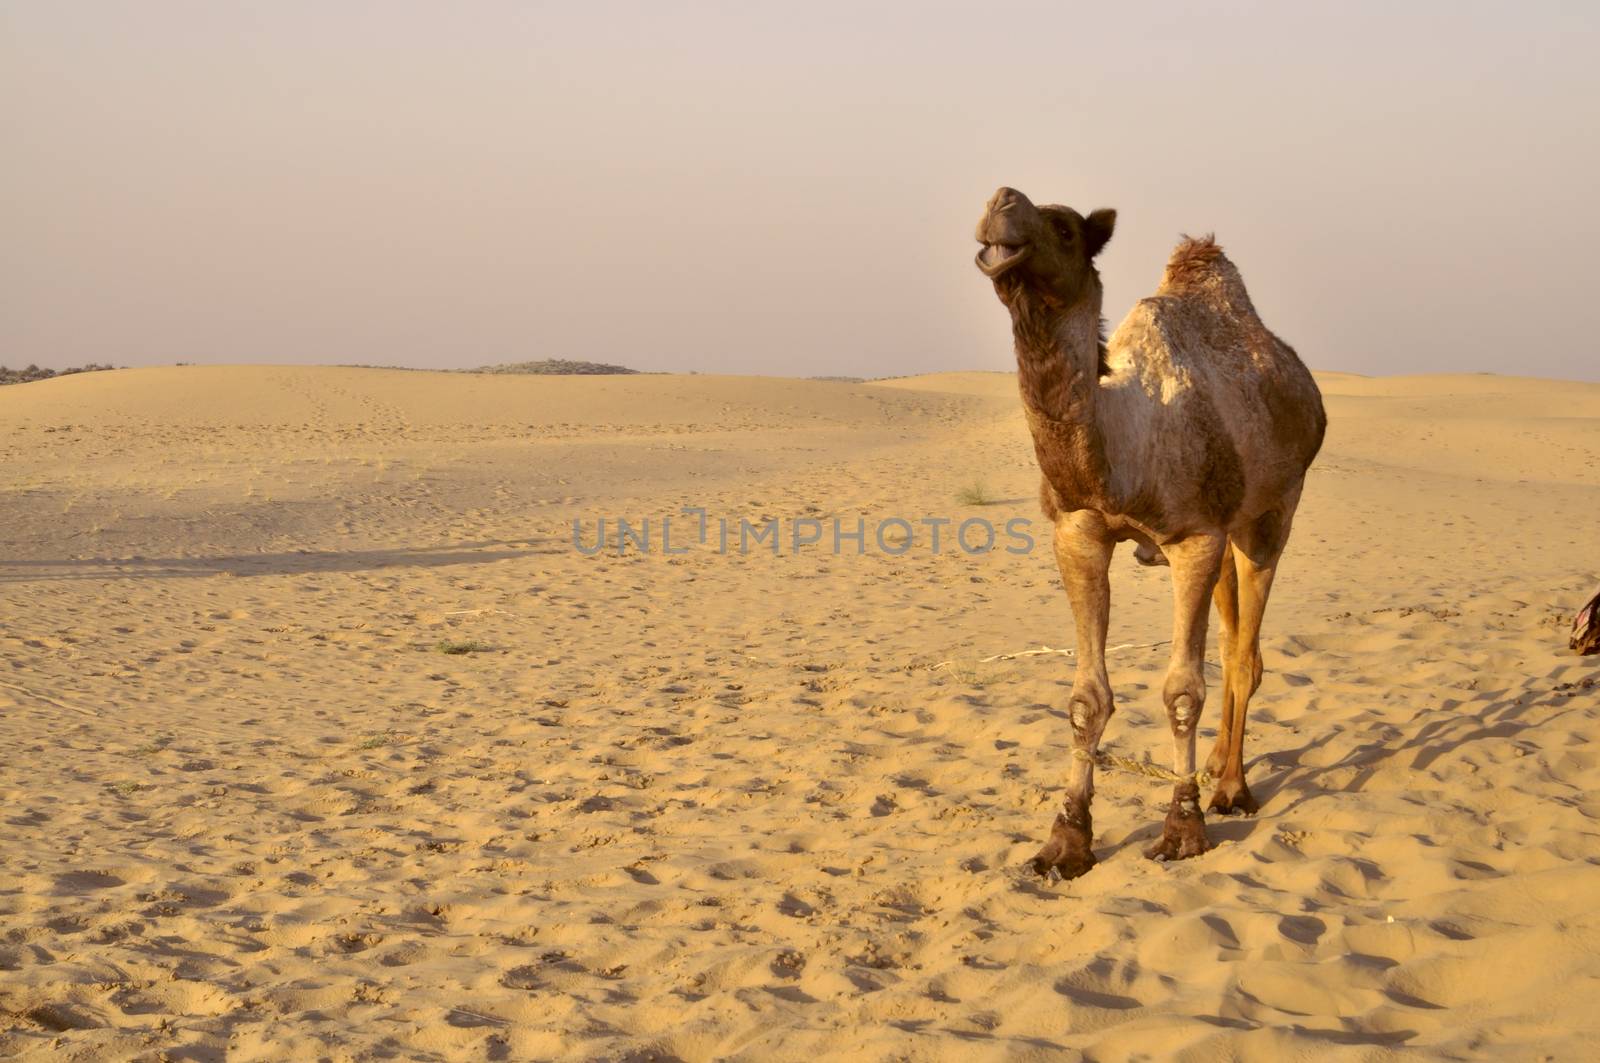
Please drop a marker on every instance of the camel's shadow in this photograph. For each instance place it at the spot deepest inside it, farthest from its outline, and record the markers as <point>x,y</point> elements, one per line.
<point>1278,776</point>
<point>1505,713</point>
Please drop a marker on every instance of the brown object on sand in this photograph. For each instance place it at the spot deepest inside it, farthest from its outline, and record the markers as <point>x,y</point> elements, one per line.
<point>1586,629</point>
<point>1190,432</point>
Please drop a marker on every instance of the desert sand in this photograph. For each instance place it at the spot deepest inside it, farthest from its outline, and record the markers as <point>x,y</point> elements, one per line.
<point>718,806</point>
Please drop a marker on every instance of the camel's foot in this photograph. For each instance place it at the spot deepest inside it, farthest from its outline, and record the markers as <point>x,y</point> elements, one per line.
<point>1184,833</point>
<point>1067,854</point>
<point>1233,796</point>
<point>1218,758</point>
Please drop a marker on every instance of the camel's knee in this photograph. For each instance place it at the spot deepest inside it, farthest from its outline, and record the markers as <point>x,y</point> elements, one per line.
<point>1091,709</point>
<point>1184,695</point>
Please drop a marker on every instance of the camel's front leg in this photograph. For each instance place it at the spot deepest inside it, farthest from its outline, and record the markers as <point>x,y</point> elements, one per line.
<point>1196,562</point>
<point>1083,553</point>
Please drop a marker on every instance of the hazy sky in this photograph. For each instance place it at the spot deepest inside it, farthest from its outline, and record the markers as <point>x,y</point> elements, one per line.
<point>782,188</point>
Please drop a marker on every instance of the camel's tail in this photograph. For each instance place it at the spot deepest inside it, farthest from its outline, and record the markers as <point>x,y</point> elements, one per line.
<point>1198,267</point>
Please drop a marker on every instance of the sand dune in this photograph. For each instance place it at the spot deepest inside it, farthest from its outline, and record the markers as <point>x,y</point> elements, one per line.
<point>720,806</point>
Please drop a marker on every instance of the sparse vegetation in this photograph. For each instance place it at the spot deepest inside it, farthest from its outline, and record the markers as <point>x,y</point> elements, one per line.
<point>379,740</point>
<point>975,673</point>
<point>556,367</point>
<point>157,744</point>
<point>975,494</point>
<point>33,372</point>
<point>456,648</point>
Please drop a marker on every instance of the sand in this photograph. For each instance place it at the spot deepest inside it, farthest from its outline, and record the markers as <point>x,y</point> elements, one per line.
<point>710,806</point>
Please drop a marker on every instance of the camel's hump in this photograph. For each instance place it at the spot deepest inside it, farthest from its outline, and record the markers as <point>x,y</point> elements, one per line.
<point>1198,267</point>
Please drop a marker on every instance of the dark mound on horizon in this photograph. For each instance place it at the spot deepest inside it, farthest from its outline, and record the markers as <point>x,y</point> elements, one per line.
<point>33,372</point>
<point>555,367</point>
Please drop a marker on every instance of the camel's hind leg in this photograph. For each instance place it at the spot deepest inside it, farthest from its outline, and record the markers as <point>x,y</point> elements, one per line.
<point>1256,549</point>
<point>1226,597</point>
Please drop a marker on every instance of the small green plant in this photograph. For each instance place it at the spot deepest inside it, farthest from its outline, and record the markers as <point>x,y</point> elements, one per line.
<point>974,494</point>
<point>379,740</point>
<point>455,648</point>
<point>969,674</point>
<point>975,674</point>
<point>155,745</point>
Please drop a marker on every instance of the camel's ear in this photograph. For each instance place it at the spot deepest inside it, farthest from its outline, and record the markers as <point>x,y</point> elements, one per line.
<point>1097,229</point>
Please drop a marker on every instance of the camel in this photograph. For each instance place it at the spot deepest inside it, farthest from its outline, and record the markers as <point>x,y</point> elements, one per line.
<point>1190,433</point>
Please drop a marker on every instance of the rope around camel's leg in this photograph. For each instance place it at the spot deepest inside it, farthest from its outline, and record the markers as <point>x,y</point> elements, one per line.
<point>1146,768</point>
<point>1109,761</point>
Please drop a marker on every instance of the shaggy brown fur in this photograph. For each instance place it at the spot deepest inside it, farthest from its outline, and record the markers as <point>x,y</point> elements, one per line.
<point>1192,262</point>
<point>1190,432</point>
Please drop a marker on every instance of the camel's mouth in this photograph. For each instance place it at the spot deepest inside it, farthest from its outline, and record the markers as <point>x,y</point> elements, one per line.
<point>996,259</point>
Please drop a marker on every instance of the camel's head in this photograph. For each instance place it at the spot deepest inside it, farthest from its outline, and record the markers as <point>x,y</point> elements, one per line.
<point>1050,249</point>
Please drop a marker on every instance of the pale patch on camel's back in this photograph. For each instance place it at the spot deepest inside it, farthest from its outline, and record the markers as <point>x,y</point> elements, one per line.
<point>1201,306</point>
<point>1140,353</point>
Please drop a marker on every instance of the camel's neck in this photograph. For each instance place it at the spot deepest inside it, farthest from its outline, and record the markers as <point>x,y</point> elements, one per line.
<point>1059,354</point>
